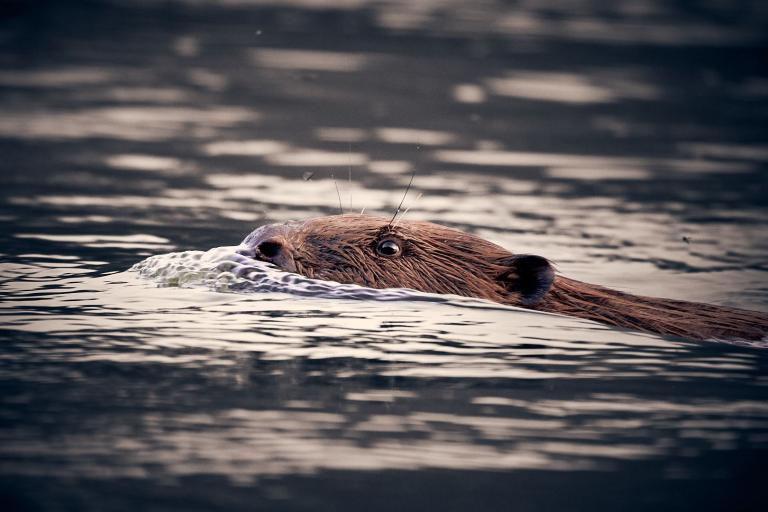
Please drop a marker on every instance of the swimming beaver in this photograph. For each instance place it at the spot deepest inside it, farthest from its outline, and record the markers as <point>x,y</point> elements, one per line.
<point>374,252</point>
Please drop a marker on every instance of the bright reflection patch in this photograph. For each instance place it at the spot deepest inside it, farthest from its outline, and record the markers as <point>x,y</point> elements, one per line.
<point>310,60</point>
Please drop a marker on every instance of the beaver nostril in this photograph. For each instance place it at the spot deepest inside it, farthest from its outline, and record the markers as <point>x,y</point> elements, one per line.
<point>270,248</point>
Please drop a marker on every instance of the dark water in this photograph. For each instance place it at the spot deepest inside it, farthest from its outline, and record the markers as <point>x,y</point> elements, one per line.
<point>625,141</point>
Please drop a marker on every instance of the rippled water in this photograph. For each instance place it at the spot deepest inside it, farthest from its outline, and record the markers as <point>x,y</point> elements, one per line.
<point>146,366</point>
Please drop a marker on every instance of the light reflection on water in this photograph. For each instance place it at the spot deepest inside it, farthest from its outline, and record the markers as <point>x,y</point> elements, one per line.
<point>637,164</point>
<point>81,320</point>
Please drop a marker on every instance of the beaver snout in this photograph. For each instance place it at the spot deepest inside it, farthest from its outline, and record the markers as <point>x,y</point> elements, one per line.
<point>264,250</point>
<point>273,250</point>
<point>270,248</point>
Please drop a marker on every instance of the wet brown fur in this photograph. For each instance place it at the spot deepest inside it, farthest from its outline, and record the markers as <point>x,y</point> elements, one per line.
<point>440,259</point>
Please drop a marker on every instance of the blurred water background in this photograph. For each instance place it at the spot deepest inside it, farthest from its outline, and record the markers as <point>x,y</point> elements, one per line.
<point>624,140</point>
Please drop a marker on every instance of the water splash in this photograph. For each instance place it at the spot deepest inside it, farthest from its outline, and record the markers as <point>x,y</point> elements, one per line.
<point>221,269</point>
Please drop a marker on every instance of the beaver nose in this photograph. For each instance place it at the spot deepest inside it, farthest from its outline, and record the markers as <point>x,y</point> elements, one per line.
<point>272,250</point>
<point>269,248</point>
<point>269,243</point>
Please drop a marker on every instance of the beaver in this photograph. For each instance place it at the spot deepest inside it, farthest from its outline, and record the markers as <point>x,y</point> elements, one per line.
<point>377,253</point>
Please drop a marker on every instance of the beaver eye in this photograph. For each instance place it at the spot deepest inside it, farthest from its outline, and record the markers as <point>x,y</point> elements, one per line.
<point>387,248</point>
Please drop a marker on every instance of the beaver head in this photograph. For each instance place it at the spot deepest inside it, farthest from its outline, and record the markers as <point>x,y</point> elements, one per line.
<point>373,252</point>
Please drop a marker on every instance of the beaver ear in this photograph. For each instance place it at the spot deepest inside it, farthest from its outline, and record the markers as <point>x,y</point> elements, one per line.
<point>528,275</point>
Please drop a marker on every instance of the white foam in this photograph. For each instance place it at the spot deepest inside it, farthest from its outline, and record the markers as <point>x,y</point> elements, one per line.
<point>221,269</point>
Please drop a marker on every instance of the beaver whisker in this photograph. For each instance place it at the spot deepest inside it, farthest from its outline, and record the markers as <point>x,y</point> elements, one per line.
<point>349,163</point>
<point>406,211</point>
<point>413,175</point>
<point>341,208</point>
<point>401,217</point>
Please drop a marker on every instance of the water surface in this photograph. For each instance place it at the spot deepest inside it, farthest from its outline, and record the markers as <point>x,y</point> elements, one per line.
<point>626,143</point>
